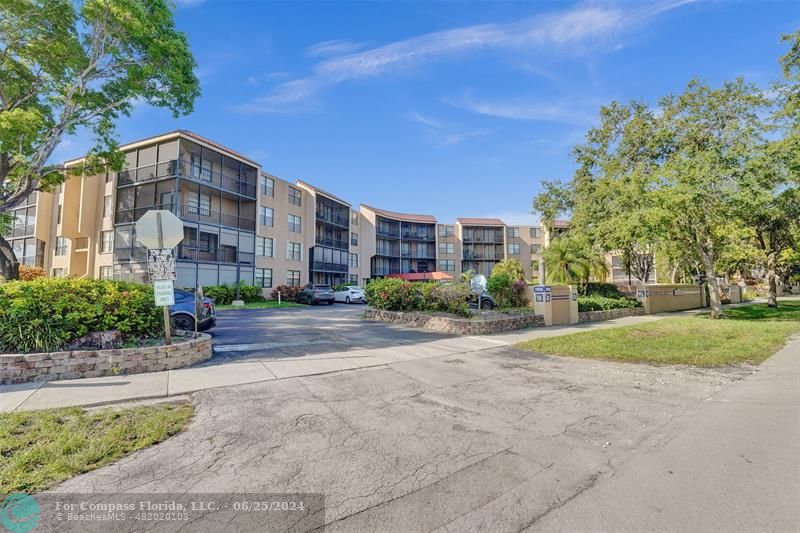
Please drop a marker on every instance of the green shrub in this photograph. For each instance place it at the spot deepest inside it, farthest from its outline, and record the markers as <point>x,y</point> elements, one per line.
<point>47,313</point>
<point>449,298</point>
<point>606,290</point>
<point>249,294</point>
<point>394,295</point>
<point>506,291</point>
<point>221,294</point>
<point>288,294</point>
<point>601,303</point>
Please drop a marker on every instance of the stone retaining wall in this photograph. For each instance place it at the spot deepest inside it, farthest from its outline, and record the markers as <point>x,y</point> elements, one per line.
<point>458,326</point>
<point>21,368</point>
<point>610,314</point>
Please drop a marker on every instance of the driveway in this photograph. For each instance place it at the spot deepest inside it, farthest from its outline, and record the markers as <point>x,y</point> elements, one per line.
<point>313,330</point>
<point>493,440</point>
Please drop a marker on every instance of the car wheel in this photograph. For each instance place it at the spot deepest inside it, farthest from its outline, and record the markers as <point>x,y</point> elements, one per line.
<point>488,305</point>
<point>184,322</point>
<point>347,299</point>
<point>331,302</point>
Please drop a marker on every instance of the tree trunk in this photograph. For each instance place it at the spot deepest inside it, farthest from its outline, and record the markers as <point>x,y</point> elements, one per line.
<point>772,280</point>
<point>706,257</point>
<point>9,266</point>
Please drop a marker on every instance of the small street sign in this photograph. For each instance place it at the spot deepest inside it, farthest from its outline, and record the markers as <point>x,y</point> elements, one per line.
<point>164,293</point>
<point>159,228</point>
<point>161,264</point>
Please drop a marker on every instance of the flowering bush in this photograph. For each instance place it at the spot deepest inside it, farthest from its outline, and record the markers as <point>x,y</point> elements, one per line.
<point>288,294</point>
<point>394,295</point>
<point>28,272</point>
<point>506,291</point>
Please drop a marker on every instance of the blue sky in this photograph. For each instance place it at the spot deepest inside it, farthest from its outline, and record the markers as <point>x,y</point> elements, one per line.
<point>445,108</point>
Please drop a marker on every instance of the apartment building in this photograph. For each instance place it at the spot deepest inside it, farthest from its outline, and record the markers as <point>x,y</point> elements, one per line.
<point>243,223</point>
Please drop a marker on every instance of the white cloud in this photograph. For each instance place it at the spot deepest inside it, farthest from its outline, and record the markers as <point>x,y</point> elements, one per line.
<point>333,48</point>
<point>460,136</point>
<point>522,110</point>
<point>570,30</point>
<point>189,3</point>
<point>260,78</point>
<point>416,116</point>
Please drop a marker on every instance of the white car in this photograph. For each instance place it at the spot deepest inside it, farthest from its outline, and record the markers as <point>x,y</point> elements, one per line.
<point>350,295</point>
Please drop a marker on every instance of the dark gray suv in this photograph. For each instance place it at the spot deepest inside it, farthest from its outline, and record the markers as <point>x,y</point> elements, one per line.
<point>315,294</point>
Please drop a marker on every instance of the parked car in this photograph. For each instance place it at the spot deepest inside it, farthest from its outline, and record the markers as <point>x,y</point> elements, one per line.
<point>315,294</point>
<point>182,312</point>
<point>486,301</point>
<point>351,294</point>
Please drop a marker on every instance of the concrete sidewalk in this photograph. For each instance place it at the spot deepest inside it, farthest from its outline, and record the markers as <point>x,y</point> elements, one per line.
<point>114,389</point>
<point>732,467</point>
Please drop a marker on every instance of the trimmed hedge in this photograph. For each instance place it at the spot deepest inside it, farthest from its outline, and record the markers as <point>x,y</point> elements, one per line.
<point>601,303</point>
<point>606,290</point>
<point>394,294</point>
<point>45,314</point>
<point>225,294</point>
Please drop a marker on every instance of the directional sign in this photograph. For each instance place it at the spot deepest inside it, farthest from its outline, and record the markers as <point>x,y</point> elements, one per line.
<point>164,293</point>
<point>161,264</point>
<point>159,229</point>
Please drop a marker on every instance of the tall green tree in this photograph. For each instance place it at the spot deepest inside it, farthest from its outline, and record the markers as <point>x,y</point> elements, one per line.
<point>67,65</point>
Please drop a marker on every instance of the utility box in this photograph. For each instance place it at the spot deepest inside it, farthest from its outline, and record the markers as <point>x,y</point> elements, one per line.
<point>558,304</point>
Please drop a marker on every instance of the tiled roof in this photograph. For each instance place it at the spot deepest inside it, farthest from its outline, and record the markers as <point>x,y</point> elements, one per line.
<point>326,193</point>
<point>561,223</point>
<point>217,145</point>
<point>402,216</point>
<point>480,222</point>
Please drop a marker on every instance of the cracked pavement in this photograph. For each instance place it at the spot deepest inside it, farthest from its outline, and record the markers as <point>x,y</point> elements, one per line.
<point>494,440</point>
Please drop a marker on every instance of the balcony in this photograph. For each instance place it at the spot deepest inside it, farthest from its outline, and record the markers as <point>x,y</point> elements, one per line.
<point>196,213</point>
<point>337,220</point>
<point>416,236</point>
<point>192,253</point>
<point>332,243</point>
<point>185,169</point>
<point>385,232</point>
<point>387,252</point>
<point>321,266</point>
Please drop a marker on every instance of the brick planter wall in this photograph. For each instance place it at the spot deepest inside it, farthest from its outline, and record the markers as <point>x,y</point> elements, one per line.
<point>458,326</point>
<point>610,314</point>
<point>21,368</point>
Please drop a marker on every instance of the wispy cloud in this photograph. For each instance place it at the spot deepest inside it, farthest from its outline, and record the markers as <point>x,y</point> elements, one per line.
<point>461,136</point>
<point>570,30</point>
<point>333,48</point>
<point>425,120</point>
<point>261,78</point>
<point>189,3</point>
<point>522,110</point>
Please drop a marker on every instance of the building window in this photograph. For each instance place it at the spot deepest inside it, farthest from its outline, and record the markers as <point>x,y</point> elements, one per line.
<point>447,248</point>
<point>354,238</point>
<point>106,242</point>
<point>536,248</point>
<point>106,272</point>
<point>295,196</point>
<point>536,233</point>
<point>354,260</point>
<point>264,277</point>
<point>513,232</point>
<point>513,249</point>
<point>264,247</point>
<point>107,206</point>
<point>61,246</point>
<point>266,216</point>
<point>199,204</point>
<point>446,230</point>
<point>294,251</point>
<point>294,223</point>
<point>447,265</point>
<point>267,186</point>
<point>353,278</point>
<point>59,273</point>
<point>293,278</point>
<point>354,220</point>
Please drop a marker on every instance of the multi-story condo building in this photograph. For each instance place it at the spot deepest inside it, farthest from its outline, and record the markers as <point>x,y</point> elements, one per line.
<point>242,223</point>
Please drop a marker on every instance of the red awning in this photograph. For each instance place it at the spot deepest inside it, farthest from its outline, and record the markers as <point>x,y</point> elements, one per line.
<point>423,276</point>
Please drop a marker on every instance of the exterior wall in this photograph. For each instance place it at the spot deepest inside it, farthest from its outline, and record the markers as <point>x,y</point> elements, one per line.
<point>455,256</point>
<point>663,298</point>
<point>457,326</point>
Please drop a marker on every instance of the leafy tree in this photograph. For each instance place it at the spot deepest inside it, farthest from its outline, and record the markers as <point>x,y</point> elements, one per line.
<point>570,260</point>
<point>510,267</point>
<point>554,201</point>
<point>67,65</point>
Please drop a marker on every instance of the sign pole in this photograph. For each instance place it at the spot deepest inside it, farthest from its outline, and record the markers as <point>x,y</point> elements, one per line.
<point>167,332</point>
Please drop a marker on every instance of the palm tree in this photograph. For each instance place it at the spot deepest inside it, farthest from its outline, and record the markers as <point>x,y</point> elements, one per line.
<point>566,262</point>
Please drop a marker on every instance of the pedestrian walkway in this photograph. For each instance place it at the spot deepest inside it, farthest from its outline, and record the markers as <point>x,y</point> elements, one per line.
<point>115,389</point>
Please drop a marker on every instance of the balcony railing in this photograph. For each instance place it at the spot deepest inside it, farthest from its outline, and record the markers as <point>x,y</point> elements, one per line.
<point>411,236</point>
<point>388,252</point>
<point>186,169</point>
<point>135,254</point>
<point>192,253</point>
<point>333,219</point>
<point>321,266</point>
<point>202,214</point>
<point>332,243</point>
<point>417,255</point>
<point>383,232</point>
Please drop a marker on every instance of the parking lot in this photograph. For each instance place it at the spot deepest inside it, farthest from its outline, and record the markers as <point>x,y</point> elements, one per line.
<point>309,330</point>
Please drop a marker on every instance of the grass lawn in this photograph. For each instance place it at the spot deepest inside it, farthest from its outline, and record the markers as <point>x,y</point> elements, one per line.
<point>268,304</point>
<point>748,335</point>
<point>42,448</point>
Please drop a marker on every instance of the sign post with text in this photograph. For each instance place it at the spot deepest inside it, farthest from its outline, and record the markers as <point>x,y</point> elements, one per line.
<point>161,231</point>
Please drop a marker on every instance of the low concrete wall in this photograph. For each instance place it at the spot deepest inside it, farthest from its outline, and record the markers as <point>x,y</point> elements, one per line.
<point>610,314</point>
<point>458,326</point>
<point>22,368</point>
<point>663,298</point>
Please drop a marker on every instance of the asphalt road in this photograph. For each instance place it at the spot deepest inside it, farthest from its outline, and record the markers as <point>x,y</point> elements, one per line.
<point>308,330</point>
<point>495,440</point>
